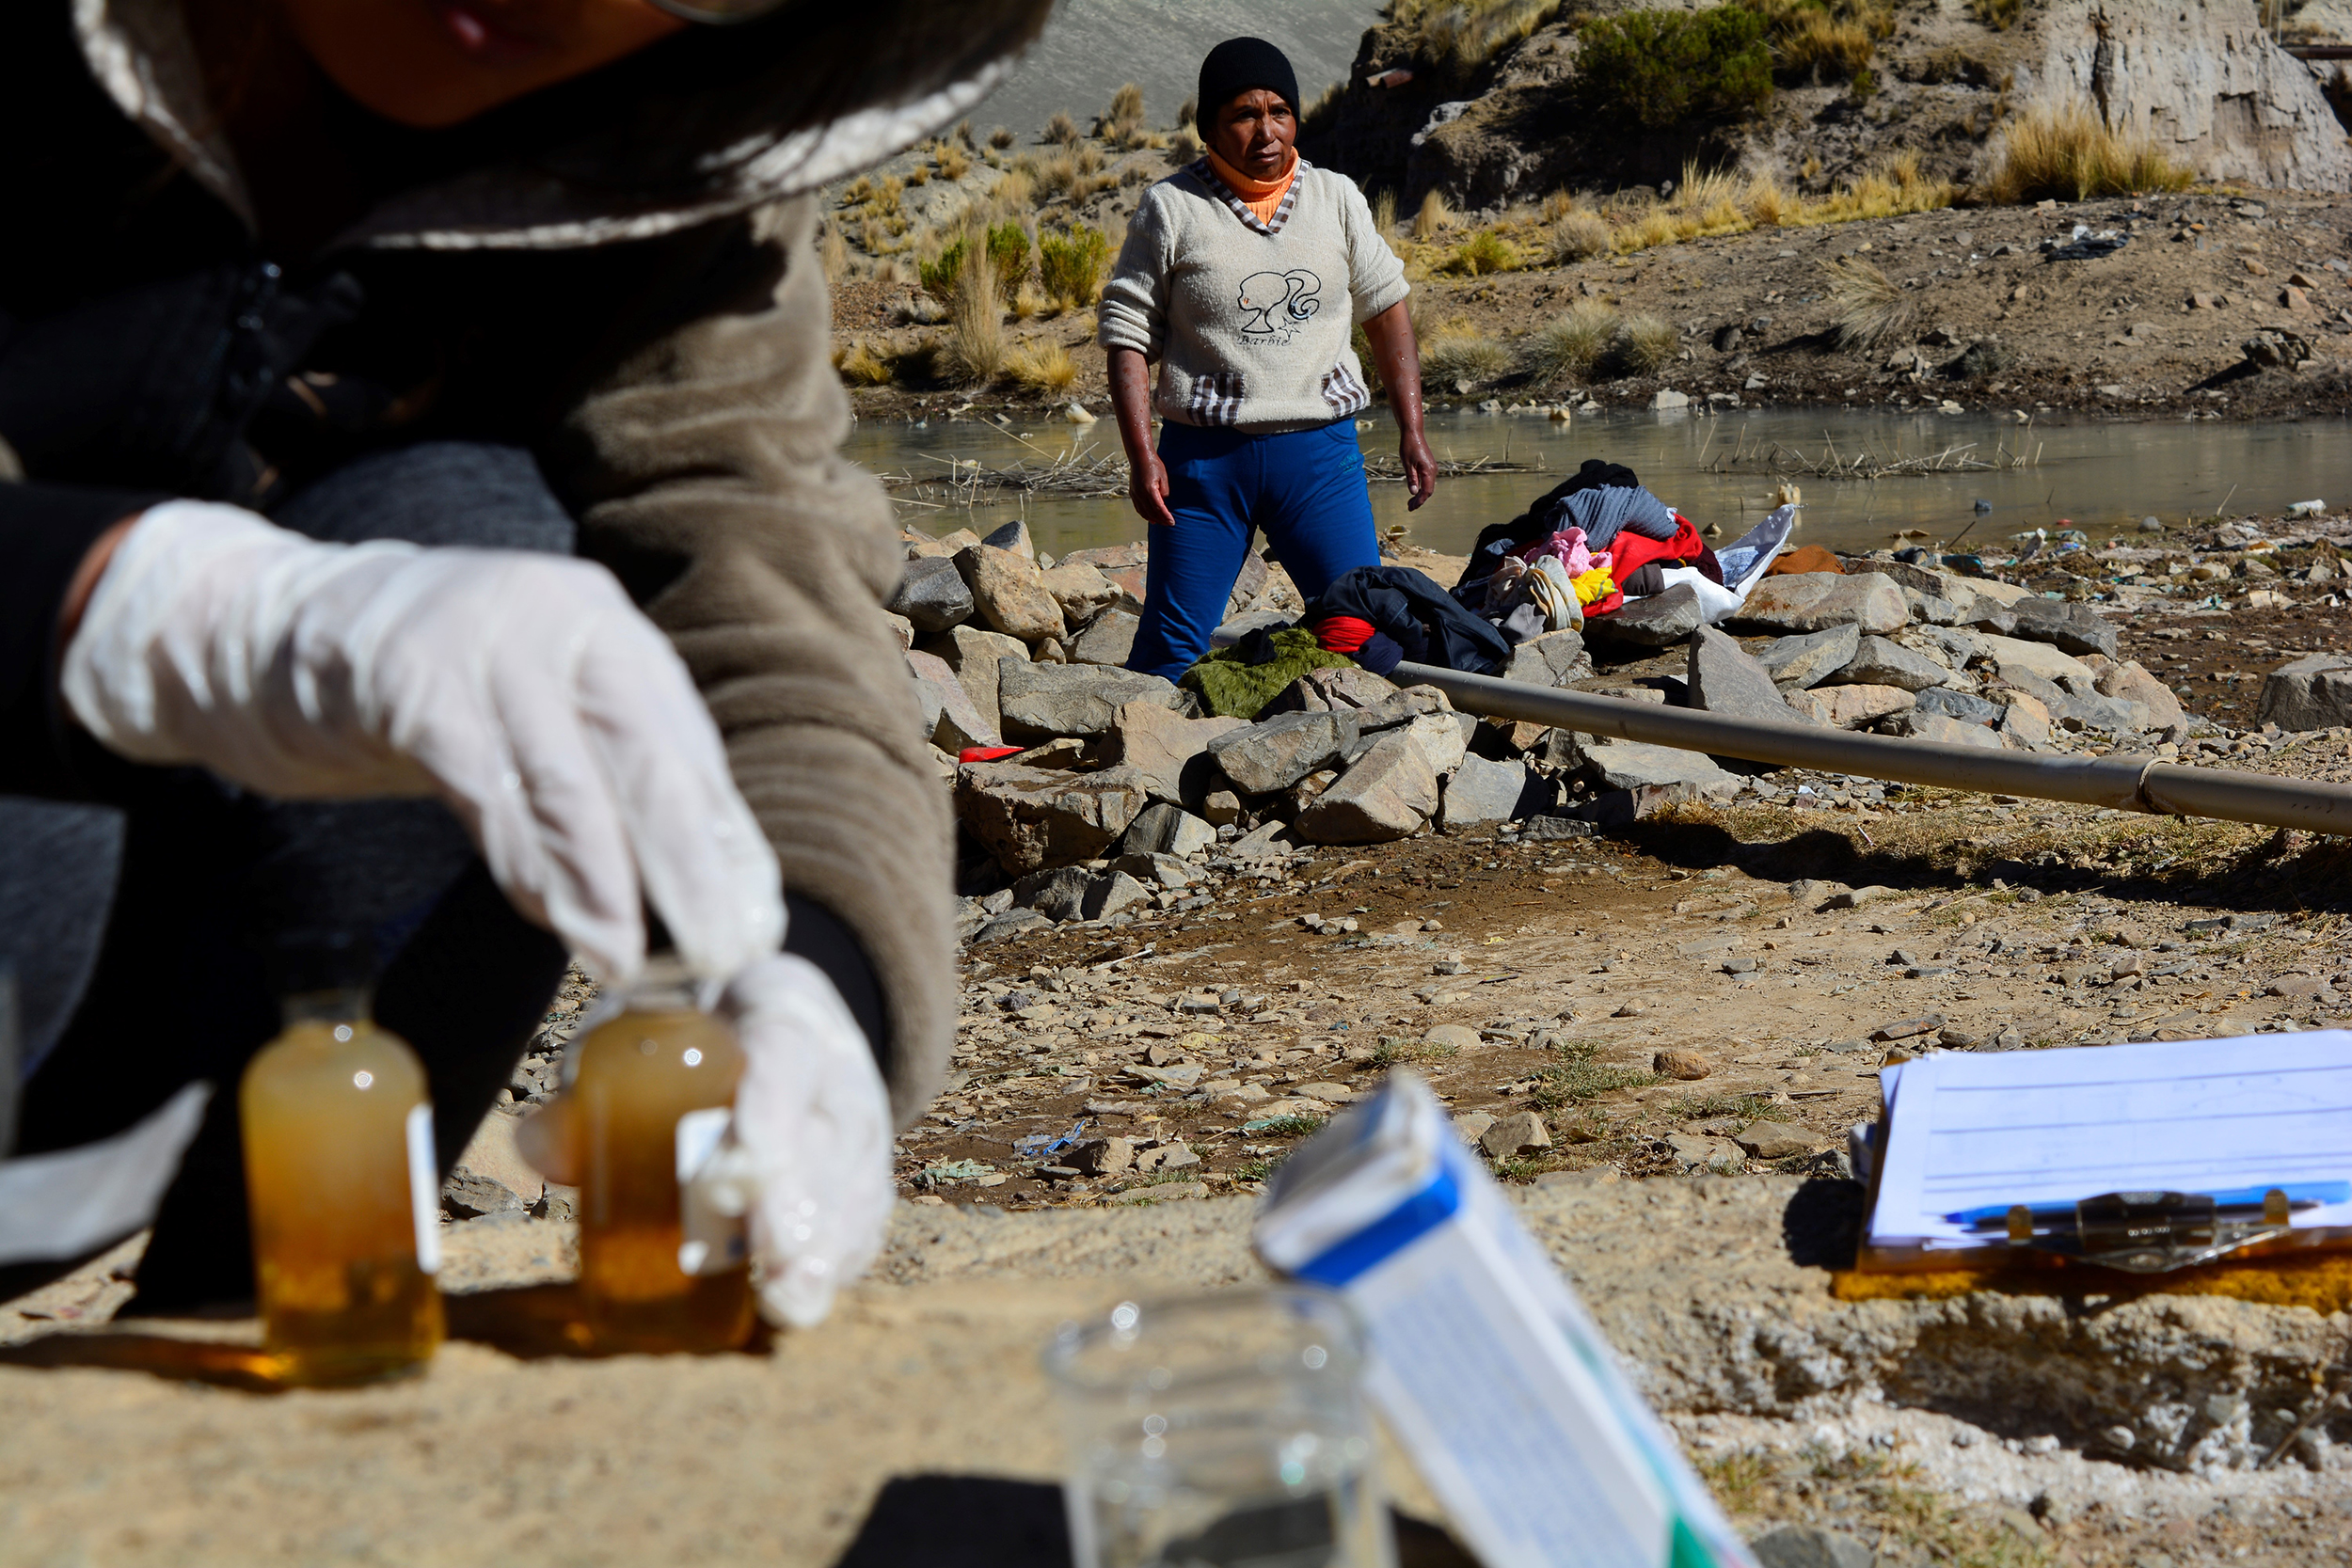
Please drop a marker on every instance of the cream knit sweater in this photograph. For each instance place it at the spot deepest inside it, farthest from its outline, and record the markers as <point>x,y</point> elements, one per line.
<point>1251,320</point>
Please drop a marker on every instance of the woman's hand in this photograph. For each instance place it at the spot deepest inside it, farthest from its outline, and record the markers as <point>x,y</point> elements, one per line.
<point>1420,469</point>
<point>1146,488</point>
<point>1131,400</point>
<point>1399,360</point>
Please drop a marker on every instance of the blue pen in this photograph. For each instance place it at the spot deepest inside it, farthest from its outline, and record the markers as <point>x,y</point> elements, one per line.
<point>2301,1195</point>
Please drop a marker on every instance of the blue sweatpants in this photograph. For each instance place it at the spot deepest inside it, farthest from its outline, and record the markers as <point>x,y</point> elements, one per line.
<point>1304,489</point>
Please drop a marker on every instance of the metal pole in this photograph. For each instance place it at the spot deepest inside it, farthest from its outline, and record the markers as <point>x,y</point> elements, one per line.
<point>2117,782</point>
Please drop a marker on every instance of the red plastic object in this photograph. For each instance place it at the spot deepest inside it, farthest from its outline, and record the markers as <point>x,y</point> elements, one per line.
<point>988,753</point>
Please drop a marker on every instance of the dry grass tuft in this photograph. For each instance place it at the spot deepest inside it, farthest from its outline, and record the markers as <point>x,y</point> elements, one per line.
<point>1567,347</point>
<point>1002,137</point>
<point>1041,366</point>
<point>860,366</point>
<point>1819,47</point>
<point>1892,189</point>
<point>1124,119</point>
<point>1435,217</point>
<point>973,351</point>
<point>1467,33</point>
<point>1384,211</point>
<point>1645,344</point>
<point>954,162</point>
<point>1459,361</point>
<point>1061,130</point>
<point>1577,234</point>
<point>834,256</point>
<point>1869,310</point>
<point>2064,152</point>
<point>1999,15</point>
<point>1483,254</point>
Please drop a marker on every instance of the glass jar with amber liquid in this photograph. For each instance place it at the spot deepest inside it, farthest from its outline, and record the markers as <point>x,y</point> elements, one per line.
<point>344,1194</point>
<point>652,1095</point>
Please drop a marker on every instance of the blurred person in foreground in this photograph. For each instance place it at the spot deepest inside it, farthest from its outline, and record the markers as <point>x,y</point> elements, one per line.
<point>406,408</point>
<point>1241,276</point>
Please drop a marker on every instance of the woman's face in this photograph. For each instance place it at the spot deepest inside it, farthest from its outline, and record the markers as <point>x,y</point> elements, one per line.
<point>430,63</point>
<point>1254,132</point>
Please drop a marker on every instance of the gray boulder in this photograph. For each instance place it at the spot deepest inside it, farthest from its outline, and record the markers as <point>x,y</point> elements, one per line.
<point>1010,593</point>
<point>1879,662</point>
<point>1041,702</point>
<point>1278,752</point>
<point>1481,794</point>
<point>1810,601</point>
<point>1810,1546</point>
<point>1170,751</point>
<point>1390,794</point>
<point>1157,870</point>
<point>1659,621</point>
<point>1965,706</point>
<point>2313,692</point>
<point>1327,690</point>
<point>950,721</point>
<point>1113,892</point>
<point>1917,725</point>
<point>1850,707</point>
<point>1032,817</point>
<point>1401,707</point>
<point>933,595</point>
<point>1610,763</point>
<point>1107,639</point>
<point>974,653</point>
<point>1059,894</point>
<point>1166,829</point>
<point>1011,923</point>
<point>2071,627</point>
<point>1555,658</point>
<point>1724,679</point>
<point>1808,658</point>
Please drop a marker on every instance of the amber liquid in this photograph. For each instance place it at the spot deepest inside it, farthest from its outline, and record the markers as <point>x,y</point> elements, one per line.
<point>638,1075</point>
<point>327,1108</point>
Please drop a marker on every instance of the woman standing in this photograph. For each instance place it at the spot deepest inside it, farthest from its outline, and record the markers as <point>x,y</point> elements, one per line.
<point>1242,275</point>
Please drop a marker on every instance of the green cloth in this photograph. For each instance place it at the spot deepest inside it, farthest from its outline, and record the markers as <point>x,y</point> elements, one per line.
<point>1235,688</point>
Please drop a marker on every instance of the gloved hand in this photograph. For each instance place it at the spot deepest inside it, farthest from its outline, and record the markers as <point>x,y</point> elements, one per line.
<point>525,691</point>
<point>808,1158</point>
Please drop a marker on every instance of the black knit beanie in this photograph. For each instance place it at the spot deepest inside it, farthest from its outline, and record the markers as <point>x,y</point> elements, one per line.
<point>1235,67</point>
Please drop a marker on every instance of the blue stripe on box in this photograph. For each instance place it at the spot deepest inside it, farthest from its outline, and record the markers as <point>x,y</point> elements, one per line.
<point>1382,1239</point>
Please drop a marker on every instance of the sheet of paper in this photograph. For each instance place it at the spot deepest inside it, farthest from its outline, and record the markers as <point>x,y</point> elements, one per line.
<point>2058,1126</point>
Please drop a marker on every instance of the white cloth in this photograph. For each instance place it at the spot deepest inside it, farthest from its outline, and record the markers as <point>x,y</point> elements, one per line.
<point>525,691</point>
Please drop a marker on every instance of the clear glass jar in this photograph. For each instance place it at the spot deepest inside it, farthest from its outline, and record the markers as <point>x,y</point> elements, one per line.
<point>345,1192</point>
<point>1226,1428</point>
<point>653,1090</point>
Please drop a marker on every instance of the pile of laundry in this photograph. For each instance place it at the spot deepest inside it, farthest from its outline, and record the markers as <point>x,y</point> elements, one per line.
<point>1581,553</point>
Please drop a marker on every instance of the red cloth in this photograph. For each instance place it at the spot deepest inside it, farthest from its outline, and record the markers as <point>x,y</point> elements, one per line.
<point>987,753</point>
<point>1629,552</point>
<point>1342,634</point>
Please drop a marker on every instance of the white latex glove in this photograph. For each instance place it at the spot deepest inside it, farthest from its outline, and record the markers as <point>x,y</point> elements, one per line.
<point>525,691</point>
<point>807,1159</point>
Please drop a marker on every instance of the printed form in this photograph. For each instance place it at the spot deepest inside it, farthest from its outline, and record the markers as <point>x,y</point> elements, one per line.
<point>2050,1126</point>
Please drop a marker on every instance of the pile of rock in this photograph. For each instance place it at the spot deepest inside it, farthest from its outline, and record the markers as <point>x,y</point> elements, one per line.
<point>1910,650</point>
<point>1127,800</point>
<point>967,604</point>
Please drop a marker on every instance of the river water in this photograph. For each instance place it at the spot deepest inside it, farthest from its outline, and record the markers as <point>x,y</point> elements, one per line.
<point>2091,476</point>
<point>2088,474</point>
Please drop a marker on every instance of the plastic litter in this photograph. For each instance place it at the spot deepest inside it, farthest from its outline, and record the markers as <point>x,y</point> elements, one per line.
<point>1040,1145</point>
<point>987,753</point>
<point>2307,509</point>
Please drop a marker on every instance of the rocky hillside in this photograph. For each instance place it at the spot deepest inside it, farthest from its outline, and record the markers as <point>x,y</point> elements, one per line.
<point>1853,85</point>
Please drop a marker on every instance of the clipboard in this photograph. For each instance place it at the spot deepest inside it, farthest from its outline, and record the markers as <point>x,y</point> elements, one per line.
<point>2270,1263</point>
